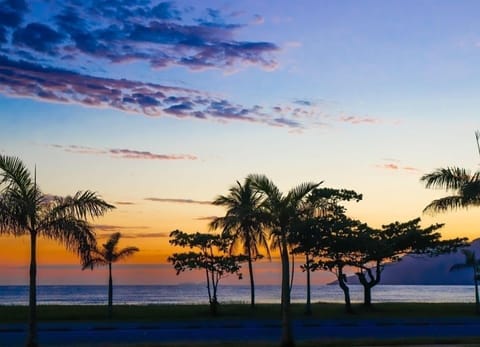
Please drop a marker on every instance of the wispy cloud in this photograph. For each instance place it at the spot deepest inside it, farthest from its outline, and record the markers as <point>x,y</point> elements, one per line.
<point>358,120</point>
<point>111,227</point>
<point>179,201</point>
<point>24,79</point>
<point>124,203</point>
<point>395,165</point>
<point>123,153</point>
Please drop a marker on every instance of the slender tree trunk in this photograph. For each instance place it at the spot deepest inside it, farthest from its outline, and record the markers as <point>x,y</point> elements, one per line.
<point>287,333</point>
<point>477,299</point>
<point>32,317</point>
<point>346,291</point>
<point>308,307</point>
<point>208,285</point>
<point>367,295</point>
<point>252,283</point>
<point>110,290</point>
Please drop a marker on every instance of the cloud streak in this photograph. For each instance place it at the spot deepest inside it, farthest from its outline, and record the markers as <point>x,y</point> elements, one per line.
<point>123,153</point>
<point>179,201</point>
<point>24,79</point>
<point>110,227</point>
<point>395,165</point>
<point>159,33</point>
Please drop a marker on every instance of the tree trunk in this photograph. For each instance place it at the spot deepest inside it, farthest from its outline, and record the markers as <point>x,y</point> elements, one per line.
<point>346,292</point>
<point>110,291</point>
<point>367,295</point>
<point>32,317</point>
<point>369,283</point>
<point>252,283</point>
<point>287,334</point>
<point>308,306</point>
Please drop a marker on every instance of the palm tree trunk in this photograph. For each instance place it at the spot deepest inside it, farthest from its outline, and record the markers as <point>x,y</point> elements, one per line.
<point>308,307</point>
<point>287,334</point>
<point>252,283</point>
<point>32,317</point>
<point>110,290</point>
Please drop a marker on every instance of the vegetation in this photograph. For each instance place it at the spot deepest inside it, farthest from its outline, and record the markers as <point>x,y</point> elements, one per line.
<point>283,211</point>
<point>106,256</point>
<point>464,185</point>
<point>268,312</point>
<point>243,224</point>
<point>210,256</point>
<point>25,210</point>
<point>471,262</point>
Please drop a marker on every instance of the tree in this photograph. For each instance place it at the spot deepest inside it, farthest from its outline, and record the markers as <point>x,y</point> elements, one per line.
<point>211,255</point>
<point>464,185</point>
<point>243,223</point>
<point>321,203</point>
<point>283,212</point>
<point>338,249</point>
<point>471,262</point>
<point>25,210</point>
<point>107,255</point>
<point>376,247</point>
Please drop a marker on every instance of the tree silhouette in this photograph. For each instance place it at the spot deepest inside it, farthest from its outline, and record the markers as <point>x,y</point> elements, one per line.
<point>471,262</point>
<point>210,255</point>
<point>321,203</point>
<point>464,185</point>
<point>25,210</point>
<point>283,212</point>
<point>243,223</point>
<point>376,247</point>
<point>106,256</point>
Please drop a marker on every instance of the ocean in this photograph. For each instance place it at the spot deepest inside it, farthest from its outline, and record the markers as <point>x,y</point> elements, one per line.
<point>197,294</point>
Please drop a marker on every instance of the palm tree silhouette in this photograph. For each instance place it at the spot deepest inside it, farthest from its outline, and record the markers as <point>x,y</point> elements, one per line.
<point>464,185</point>
<point>25,210</point>
<point>106,256</point>
<point>471,262</point>
<point>284,211</point>
<point>244,224</point>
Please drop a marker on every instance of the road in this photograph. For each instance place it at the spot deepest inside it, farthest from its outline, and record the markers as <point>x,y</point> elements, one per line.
<point>65,334</point>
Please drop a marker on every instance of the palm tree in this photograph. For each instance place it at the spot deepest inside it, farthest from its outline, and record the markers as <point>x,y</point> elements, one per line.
<point>106,256</point>
<point>470,263</point>
<point>464,185</point>
<point>243,224</point>
<point>284,211</point>
<point>25,210</point>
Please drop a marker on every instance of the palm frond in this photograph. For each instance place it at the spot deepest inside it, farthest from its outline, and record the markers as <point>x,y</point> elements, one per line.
<point>125,252</point>
<point>14,174</point>
<point>83,204</point>
<point>75,234</point>
<point>450,203</point>
<point>450,178</point>
<point>477,137</point>
<point>94,262</point>
<point>299,192</point>
<point>263,184</point>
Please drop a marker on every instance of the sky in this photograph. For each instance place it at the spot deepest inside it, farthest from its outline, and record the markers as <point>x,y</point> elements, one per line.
<point>159,107</point>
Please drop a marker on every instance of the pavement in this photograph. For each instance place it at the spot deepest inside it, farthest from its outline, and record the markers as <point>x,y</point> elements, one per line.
<point>241,331</point>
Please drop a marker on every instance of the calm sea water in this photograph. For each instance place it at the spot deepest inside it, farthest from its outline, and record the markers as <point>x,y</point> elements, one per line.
<point>197,294</point>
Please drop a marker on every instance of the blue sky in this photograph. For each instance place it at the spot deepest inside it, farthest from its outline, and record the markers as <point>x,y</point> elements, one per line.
<point>159,105</point>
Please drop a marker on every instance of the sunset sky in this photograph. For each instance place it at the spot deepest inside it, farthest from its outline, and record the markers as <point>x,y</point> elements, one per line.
<point>161,106</point>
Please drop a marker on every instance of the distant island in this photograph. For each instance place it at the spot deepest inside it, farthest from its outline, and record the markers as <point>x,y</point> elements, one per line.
<point>424,270</point>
